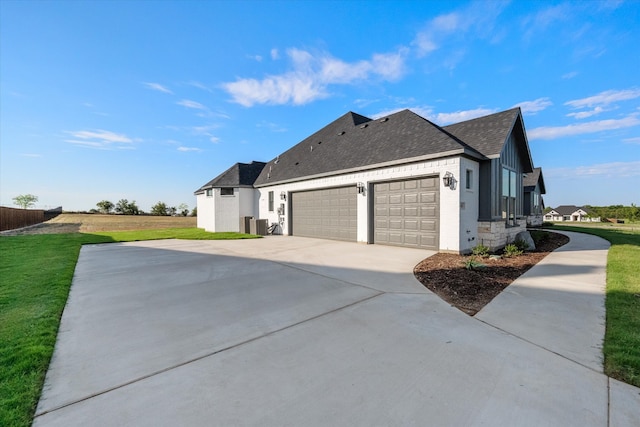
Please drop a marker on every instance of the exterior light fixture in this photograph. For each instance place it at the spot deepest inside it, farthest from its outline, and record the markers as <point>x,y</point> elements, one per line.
<point>360,187</point>
<point>448,180</point>
<point>283,195</point>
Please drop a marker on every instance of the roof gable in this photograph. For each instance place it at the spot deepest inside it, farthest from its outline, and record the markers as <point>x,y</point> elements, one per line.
<point>354,141</point>
<point>534,178</point>
<point>238,175</point>
<point>488,134</point>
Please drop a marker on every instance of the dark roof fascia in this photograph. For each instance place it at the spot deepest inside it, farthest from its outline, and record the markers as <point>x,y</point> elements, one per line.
<point>374,166</point>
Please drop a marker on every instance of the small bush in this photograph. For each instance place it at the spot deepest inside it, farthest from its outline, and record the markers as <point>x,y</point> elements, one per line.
<point>480,250</point>
<point>472,264</point>
<point>511,250</point>
<point>539,236</point>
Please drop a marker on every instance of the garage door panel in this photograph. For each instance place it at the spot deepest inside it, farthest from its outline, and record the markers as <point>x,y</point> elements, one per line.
<point>410,198</point>
<point>395,199</point>
<point>406,213</point>
<point>328,213</point>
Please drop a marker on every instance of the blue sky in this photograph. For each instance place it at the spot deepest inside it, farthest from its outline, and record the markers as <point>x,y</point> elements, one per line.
<point>149,100</point>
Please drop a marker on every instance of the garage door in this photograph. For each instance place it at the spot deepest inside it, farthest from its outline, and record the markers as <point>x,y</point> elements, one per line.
<point>327,214</point>
<point>406,213</point>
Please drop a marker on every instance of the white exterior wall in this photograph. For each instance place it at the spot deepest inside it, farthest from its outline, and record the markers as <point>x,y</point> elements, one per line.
<point>227,211</point>
<point>450,199</point>
<point>206,212</point>
<point>469,205</point>
<point>247,202</point>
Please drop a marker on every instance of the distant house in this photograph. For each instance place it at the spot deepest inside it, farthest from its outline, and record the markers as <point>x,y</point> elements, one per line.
<point>570,213</point>
<point>533,203</point>
<point>396,180</point>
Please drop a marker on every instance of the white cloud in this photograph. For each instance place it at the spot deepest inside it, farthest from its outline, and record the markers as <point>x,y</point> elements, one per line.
<point>635,140</point>
<point>199,85</point>
<point>614,169</point>
<point>275,54</point>
<point>101,139</point>
<point>158,87</point>
<point>605,98</point>
<point>440,118</point>
<point>191,104</point>
<point>478,19</point>
<point>188,149</point>
<point>461,116</point>
<point>552,132</point>
<point>585,114</point>
<point>534,106</point>
<point>310,77</point>
<point>570,75</point>
<point>542,19</point>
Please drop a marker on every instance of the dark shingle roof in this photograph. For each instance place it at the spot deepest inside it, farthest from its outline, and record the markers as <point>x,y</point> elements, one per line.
<point>355,141</point>
<point>486,134</point>
<point>238,175</point>
<point>569,209</point>
<point>534,178</point>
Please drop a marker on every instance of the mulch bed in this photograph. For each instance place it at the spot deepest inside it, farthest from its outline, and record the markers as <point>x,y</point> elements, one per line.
<point>470,290</point>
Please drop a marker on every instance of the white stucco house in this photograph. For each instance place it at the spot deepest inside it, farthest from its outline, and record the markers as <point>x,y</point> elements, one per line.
<point>396,180</point>
<point>570,213</point>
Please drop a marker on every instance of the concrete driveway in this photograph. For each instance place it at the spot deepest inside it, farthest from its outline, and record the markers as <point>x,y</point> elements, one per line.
<point>295,331</point>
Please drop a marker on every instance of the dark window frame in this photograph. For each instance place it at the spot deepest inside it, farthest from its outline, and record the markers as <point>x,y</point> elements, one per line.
<point>227,191</point>
<point>271,202</point>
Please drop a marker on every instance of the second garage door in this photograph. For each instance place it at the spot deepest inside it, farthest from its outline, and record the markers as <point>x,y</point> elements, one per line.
<point>406,213</point>
<point>327,214</point>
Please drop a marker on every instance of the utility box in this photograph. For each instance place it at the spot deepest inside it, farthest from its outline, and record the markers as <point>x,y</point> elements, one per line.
<point>245,224</point>
<point>258,226</point>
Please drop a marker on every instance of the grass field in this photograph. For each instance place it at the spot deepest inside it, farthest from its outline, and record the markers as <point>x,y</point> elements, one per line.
<point>622,336</point>
<point>35,277</point>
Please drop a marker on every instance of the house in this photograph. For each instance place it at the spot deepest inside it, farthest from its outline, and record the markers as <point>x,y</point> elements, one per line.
<point>570,213</point>
<point>397,180</point>
<point>228,197</point>
<point>533,203</point>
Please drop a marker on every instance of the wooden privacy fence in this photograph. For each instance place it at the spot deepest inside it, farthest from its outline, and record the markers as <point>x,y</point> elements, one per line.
<point>11,218</point>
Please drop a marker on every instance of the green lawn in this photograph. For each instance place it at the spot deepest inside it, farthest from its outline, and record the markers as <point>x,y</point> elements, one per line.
<point>622,337</point>
<point>35,276</point>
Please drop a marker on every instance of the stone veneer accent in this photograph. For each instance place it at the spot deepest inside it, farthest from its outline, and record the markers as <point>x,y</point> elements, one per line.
<point>496,235</point>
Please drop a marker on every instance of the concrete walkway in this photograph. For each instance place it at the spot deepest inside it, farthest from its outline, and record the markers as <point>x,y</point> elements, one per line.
<point>294,331</point>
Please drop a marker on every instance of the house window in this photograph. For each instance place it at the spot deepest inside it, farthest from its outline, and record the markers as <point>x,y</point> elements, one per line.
<point>469,179</point>
<point>209,192</point>
<point>226,191</point>
<point>270,201</point>
<point>509,192</point>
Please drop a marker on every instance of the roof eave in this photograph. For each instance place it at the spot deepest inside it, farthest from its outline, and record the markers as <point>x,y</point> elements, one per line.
<point>451,153</point>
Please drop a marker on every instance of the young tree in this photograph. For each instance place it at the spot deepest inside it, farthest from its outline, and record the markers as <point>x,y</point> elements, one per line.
<point>159,209</point>
<point>194,212</point>
<point>125,207</point>
<point>25,201</point>
<point>183,208</point>
<point>105,206</point>
<point>172,210</point>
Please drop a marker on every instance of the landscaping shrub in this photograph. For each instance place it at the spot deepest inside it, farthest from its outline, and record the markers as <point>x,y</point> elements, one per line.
<point>511,250</point>
<point>480,250</point>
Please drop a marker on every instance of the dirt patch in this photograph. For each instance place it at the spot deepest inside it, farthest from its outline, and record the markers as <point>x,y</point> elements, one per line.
<point>470,290</point>
<point>87,223</point>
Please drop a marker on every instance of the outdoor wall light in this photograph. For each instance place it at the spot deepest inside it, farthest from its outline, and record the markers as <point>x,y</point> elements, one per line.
<point>360,186</point>
<point>283,195</point>
<point>448,180</point>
